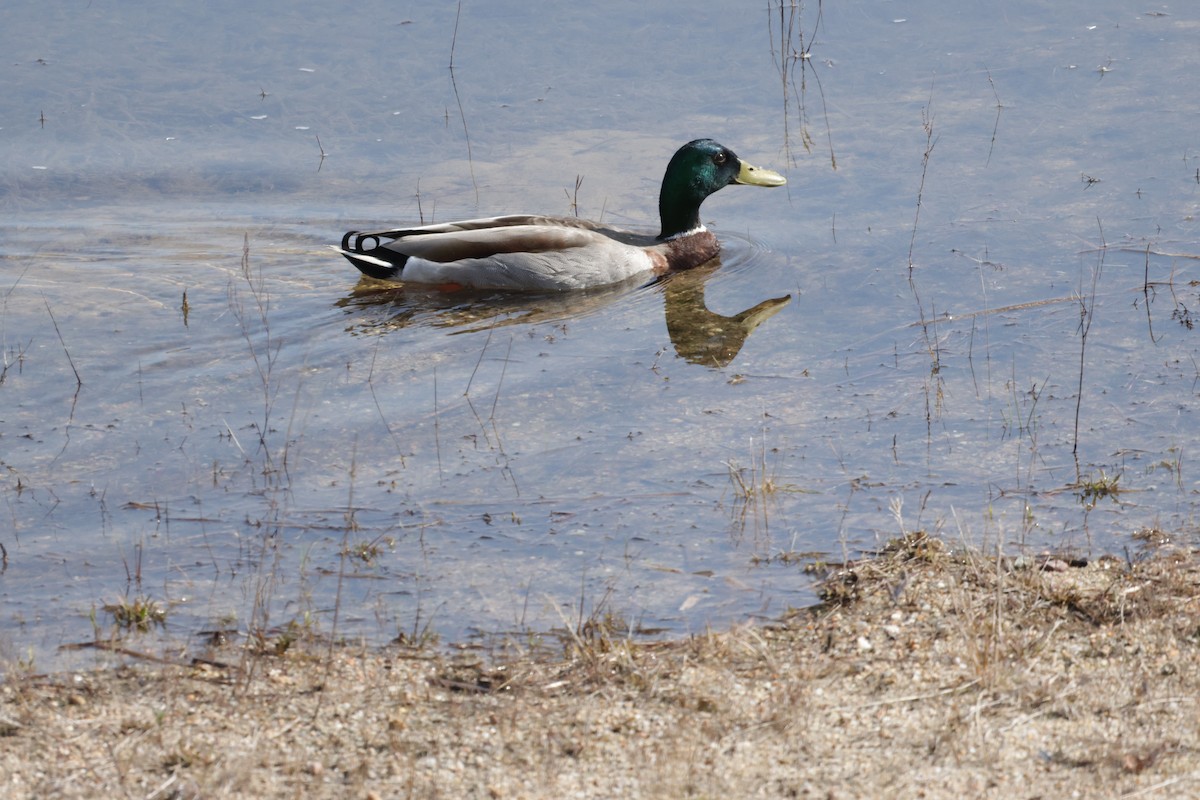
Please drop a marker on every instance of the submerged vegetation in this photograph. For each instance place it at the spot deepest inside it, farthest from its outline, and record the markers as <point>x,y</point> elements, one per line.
<point>1095,488</point>
<point>138,614</point>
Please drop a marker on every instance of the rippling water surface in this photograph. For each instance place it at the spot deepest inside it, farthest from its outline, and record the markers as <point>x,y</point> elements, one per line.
<point>969,312</point>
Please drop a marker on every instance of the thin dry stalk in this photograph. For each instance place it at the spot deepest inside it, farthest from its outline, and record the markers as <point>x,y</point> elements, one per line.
<point>996,126</point>
<point>462,114</point>
<point>930,143</point>
<point>63,342</point>
<point>793,49</point>
<point>264,360</point>
<point>574,198</point>
<point>378,407</point>
<point>1087,313</point>
<point>437,439</point>
<point>351,525</point>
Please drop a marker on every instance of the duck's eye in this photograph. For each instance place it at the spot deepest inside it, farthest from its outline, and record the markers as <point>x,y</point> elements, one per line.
<point>719,159</point>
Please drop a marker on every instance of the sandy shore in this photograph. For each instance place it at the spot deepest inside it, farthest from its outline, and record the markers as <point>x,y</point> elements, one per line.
<point>925,673</point>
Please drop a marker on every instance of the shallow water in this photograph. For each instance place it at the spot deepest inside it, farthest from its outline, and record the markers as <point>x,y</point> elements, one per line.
<point>200,405</point>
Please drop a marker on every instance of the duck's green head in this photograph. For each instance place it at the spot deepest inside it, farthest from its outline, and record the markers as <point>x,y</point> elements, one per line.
<point>698,169</point>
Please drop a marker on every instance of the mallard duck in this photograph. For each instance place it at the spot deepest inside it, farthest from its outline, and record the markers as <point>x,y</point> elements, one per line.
<point>555,253</point>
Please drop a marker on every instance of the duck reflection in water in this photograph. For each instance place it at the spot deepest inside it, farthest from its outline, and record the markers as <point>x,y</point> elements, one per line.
<point>700,336</point>
<point>706,337</point>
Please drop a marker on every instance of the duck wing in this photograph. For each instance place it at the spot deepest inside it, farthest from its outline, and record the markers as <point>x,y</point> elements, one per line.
<point>511,252</point>
<point>445,247</point>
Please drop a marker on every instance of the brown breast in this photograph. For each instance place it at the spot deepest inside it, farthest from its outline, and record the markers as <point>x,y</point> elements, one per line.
<point>688,251</point>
